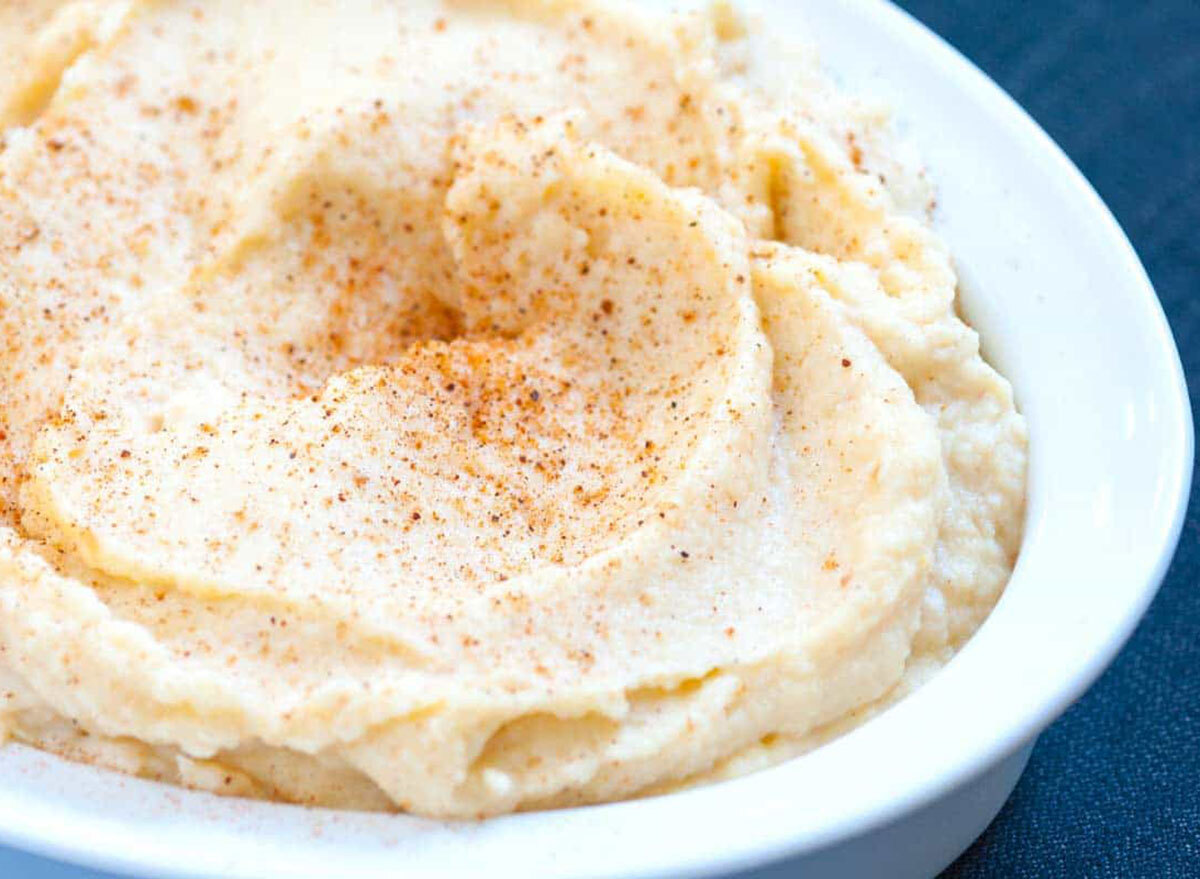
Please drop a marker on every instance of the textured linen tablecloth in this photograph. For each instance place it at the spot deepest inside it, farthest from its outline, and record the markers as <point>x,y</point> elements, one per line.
<point>1113,788</point>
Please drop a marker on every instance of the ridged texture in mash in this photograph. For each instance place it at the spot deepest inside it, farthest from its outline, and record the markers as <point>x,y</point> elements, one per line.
<point>473,406</point>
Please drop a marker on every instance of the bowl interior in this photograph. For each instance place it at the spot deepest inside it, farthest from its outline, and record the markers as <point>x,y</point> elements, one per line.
<point>1065,311</point>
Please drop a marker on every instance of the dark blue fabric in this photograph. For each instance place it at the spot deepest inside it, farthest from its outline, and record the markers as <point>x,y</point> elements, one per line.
<point>1113,788</point>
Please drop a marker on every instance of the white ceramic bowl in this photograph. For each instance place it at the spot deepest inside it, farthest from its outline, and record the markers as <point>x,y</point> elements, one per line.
<point>1067,313</point>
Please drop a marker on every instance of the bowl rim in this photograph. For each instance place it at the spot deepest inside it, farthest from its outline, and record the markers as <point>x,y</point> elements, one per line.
<point>1163,535</point>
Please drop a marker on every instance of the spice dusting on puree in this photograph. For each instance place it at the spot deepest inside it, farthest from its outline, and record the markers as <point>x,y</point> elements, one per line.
<point>464,407</point>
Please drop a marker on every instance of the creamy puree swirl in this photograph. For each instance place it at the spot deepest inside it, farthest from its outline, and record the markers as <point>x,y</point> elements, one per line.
<point>463,407</point>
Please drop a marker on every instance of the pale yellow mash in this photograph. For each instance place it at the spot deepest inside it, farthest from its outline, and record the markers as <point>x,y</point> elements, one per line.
<point>472,406</point>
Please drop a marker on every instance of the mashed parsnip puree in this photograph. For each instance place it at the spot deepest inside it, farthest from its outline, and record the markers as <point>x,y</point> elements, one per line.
<point>462,407</point>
